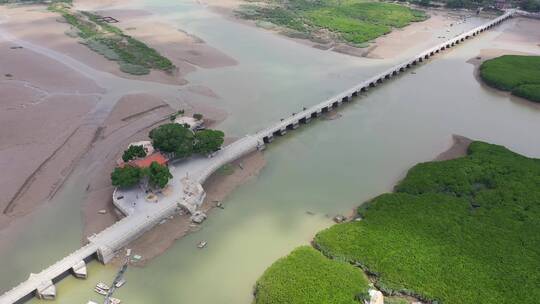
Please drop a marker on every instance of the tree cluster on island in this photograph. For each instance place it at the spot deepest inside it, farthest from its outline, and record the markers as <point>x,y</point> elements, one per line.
<point>133,152</point>
<point>181,142</point>
<point>175,140</point>
<point>129,176</point>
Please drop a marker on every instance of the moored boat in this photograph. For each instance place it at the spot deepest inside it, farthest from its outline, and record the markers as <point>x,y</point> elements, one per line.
<point>102,286</point>
<point>100,291</point>
<point>120,283</point>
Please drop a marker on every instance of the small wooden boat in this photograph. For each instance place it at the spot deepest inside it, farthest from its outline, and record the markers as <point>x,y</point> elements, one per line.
<point>202,244</point>
<point>120,283</point>
<point>114,300</point>
<point>102,286</point>
<point>100,291</point>
<point>91,302</point>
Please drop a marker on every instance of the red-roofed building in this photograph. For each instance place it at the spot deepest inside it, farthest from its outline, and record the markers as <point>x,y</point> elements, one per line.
<point>148,160</point>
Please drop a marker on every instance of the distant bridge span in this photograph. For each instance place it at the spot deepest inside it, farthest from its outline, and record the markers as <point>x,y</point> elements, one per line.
<point>306,115</point>
<point>104,244</point>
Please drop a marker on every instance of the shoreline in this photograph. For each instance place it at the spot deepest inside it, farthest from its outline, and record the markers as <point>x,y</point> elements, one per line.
<point>218,187</point>
<point>487,54</point>
<point>386,46</point>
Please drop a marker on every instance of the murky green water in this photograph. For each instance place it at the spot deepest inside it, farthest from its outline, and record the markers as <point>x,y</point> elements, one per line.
<point>326,168</point>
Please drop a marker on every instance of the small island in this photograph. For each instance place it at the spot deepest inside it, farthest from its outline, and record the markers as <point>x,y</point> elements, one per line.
<point>460,231</point>
<point>519,75</point>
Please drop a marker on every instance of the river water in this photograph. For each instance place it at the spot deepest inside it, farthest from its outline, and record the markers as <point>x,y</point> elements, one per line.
<point>312,174</point>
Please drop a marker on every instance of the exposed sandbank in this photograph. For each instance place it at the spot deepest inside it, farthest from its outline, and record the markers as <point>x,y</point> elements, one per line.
<point>43,128</point>
<point>185,50</point>
<point>458,149</point>
<point>387,46</point>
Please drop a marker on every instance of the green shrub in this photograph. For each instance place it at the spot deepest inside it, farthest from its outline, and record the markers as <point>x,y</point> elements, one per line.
<point>127,176</point>
<point>208,141</point>
<point>306,276</point>
<point>463,231</point>
<point>528,91</point>
<point>133,69</point>
<point>158,175</point>
<point>518,74</point>
<point>100,48</point>
<point>133,152</point>
<point>173,138</point>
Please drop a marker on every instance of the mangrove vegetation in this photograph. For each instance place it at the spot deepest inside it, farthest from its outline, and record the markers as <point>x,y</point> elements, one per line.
<point>517,74</point>
<point>461,231</point>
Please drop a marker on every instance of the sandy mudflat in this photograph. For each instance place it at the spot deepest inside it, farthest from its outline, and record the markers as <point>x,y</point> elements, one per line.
<point>42,127</point>
<point>458,149</point>
<point>218,186</point>
<point>399,40</point>
<point>186,51</point>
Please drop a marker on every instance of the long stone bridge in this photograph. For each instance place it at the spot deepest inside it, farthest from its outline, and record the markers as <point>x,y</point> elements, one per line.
<point>102,246</point>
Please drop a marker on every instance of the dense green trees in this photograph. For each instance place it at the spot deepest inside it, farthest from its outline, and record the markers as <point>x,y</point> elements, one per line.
<point>173,138</point>
<point>180,140</point>
<point>133,152</point>
<point>531,5</point>
<point>127,176</point>
<point>306,276</point>
<point>158,175</point>
<point>208,141</point>
<point>459,231</point>
<point>462,231</point>
<point>517,74</point>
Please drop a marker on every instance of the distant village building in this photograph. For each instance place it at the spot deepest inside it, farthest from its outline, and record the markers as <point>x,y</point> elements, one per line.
<point>193,123</point>
<point>148,160</point>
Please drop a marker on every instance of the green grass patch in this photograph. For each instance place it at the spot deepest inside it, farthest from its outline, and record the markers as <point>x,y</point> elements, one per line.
<point>517,74</point>
<point>355,22</point>
<point>306,276</point>
<point>133,56</point>
<point>459,231</point>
